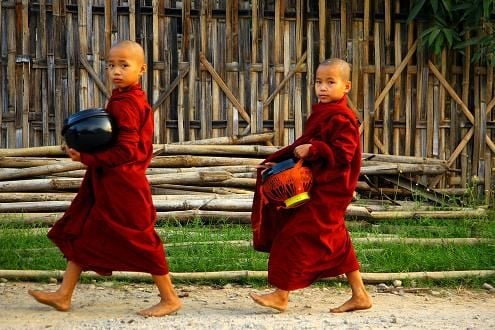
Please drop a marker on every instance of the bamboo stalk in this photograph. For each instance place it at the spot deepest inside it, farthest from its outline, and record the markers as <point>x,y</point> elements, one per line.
<point>40,185</point>
<point>402,159</point>
<point>189,178</point>
<point>19,162</point>
<point>384,169</point>
<point>181,189</point>
<point>32,151</point>
<point>247,139</point>
<point>368,278</point>
<point>238,150</point>
<point>194,161</point>
<point>424,241</point>
<point>13,197</point>
<point>437,214</point>
<point>42,170</point>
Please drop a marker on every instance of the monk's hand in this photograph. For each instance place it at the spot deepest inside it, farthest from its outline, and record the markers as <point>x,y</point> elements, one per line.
<point>302,151</point>
<point>265,166</point>
<point>73,154</point>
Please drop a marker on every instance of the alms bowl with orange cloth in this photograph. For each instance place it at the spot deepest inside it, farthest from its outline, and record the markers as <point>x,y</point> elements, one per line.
<point>289,182</point>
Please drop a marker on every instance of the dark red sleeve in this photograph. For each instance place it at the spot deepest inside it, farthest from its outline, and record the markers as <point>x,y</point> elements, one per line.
<point>127,120</point>
<point>336,144</point>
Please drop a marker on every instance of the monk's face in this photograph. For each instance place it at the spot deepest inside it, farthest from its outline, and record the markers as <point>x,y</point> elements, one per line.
<point>330,84</point>
<point>125,66</point>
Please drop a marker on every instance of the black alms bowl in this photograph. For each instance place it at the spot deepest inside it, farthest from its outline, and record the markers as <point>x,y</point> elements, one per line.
<point>89,130</point>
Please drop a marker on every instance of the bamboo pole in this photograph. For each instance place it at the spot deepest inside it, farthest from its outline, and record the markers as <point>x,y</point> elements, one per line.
<point>13,197</point>
<point>42,170</point>
<point>194,161</point>
<point>247,139</point>
<point>239,150</point>
<point>403,159</point>
<point>437,214</point>
<point>32,151</point>
<point>424,241</point>
<point>384,169</point>
<point>40,185</point>
<point>369,278</point>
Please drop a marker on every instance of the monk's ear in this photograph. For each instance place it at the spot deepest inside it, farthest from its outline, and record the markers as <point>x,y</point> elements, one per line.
<point>143,69</point>
<point>348,86</point>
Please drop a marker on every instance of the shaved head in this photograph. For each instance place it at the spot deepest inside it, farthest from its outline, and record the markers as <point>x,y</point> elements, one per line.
<point>133,47</point>
<point>343,66</point>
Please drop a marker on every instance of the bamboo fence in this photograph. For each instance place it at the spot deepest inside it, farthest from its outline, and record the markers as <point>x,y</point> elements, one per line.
<point>229,68</point>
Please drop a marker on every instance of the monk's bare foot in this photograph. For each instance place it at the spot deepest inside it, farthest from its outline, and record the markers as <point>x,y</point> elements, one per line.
<point>272,300</point>
<point>162,308</point>
<point>53,299</point>
<point>362,301</point>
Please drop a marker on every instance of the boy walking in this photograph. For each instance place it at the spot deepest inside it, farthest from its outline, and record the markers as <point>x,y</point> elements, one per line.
<point>311,241</point>
<point>109,226</point>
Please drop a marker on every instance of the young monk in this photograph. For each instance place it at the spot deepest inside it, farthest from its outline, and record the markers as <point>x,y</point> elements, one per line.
<point>109,226</point>
<point>311,241</point>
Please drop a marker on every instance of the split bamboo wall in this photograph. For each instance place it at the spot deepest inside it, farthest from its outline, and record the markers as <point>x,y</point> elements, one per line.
<point>222,68</point>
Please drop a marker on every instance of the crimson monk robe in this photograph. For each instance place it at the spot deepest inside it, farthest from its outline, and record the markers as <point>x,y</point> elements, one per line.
<point>312,241</point>
<point>109,225</point>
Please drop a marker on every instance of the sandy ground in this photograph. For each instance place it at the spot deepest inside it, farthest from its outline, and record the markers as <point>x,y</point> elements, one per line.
<point>105,305</point>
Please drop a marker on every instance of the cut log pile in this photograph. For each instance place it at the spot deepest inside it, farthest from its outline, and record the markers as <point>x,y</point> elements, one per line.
<point>212,179</point>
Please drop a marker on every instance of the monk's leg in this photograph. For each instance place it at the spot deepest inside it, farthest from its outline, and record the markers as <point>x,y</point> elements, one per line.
<point>60,299</point>
<point>169,301</point>
<point>360,298</point>
<point>277,299</point>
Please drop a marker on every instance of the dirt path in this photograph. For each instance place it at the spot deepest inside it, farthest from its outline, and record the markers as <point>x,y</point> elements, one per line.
<point>106,306</point>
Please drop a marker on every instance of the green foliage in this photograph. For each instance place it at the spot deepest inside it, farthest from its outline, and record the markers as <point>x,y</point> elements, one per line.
<point>456,24</point>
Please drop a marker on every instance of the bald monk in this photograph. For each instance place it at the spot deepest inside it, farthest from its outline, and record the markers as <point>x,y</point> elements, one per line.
<point>109,226</point>
<point>311,241</point>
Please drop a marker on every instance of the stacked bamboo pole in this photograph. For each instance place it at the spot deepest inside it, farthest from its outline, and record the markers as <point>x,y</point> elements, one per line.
<point>210,181</point>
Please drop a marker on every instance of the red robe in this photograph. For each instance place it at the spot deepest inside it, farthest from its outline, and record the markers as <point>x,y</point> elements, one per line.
<point>311,241</point>
<point>109,225</point>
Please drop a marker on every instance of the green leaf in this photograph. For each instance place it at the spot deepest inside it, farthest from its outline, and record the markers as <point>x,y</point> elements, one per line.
<point>449,36</point>
<point>439,44</point>
<point>433,36</point>
<point>467,43</point>
<point>447,5</point>
<point>434,6</point>
<point>418,5</point>
<point>487,8</point>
